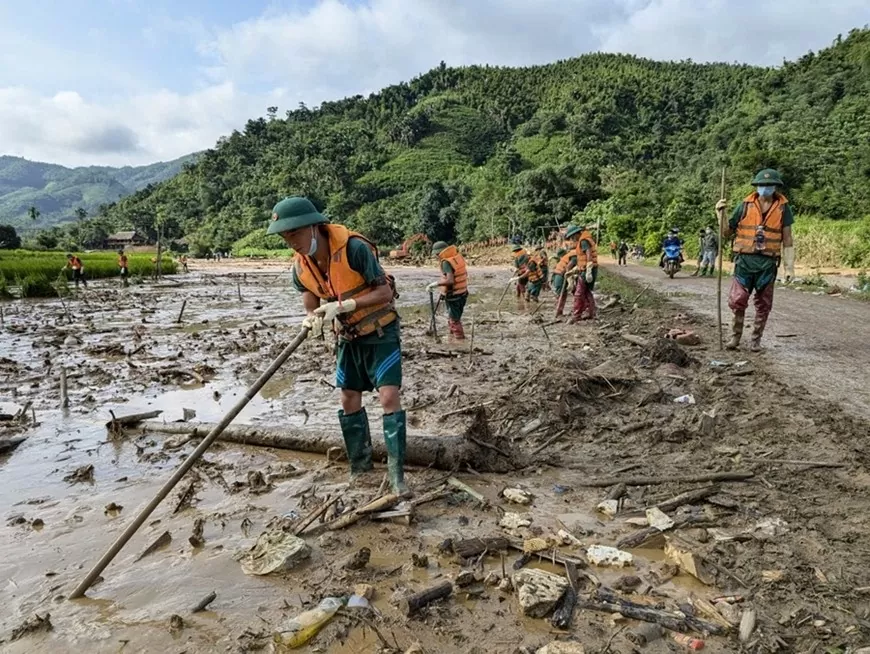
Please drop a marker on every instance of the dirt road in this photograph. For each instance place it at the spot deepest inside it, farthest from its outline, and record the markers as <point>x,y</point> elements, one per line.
<point>815,341</point>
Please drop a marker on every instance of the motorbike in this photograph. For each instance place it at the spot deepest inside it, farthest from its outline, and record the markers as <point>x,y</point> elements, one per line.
<point>673,256</point>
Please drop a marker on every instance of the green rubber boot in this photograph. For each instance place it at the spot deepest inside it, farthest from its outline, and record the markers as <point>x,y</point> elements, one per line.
<point>357,440</point>
<point>395,438</point>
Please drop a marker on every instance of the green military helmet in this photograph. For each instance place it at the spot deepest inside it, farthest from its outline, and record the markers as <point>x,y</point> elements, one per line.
<point>767,177</point>
<point>294,213</point>
<point>561,252</point>
<point>516,247</point>
<point>438,247</point>
<point>573,230</point>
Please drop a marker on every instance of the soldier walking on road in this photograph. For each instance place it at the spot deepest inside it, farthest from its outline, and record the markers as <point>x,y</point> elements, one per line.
<point>709,252</point>
<point>762,225</point>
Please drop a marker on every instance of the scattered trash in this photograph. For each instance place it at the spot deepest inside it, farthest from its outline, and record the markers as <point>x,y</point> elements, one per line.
<point>685,399</point>
<point>275,551</point>
<point>538,591</point>
<point>304,627</point>
<point>517,496</point>
<point>658,519</point>
<point>604,555</point>
<point>687,562</point>
<point>608,507</point>
<point>719,364</point>
<point>688,641</point>
<point>514,521</point>
<point>747,625</point>
<point>111,509</point>
<point>558,489</point>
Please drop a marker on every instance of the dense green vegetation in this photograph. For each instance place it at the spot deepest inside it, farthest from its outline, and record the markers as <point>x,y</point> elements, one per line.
<point>34,194</point>
<point>473,152</point>
<point>38,274</point>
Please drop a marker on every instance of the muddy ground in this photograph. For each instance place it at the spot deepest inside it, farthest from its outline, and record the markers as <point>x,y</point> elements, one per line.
<point>571,410</point>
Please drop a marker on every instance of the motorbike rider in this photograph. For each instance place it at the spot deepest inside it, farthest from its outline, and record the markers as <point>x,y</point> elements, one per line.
<point>672,239</point>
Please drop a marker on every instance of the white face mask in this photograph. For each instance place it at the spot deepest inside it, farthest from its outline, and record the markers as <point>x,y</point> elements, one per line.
<point>313,247</point>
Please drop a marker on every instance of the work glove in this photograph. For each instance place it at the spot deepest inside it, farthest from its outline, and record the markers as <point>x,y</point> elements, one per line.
<point>788,262</point>
<point>513,279</point>
<point>721,205</point>
<point>431,287</point>
<point>314,323</point>
<point>572,273</point>
<point>330,310</point>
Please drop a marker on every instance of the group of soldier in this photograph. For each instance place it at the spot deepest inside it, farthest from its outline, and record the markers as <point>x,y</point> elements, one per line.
<point>344,287</point>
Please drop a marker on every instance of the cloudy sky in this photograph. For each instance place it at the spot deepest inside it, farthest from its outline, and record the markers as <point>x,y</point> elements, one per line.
<point>135,81</point>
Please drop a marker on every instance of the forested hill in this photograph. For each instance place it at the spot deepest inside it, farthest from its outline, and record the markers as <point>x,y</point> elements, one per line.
<point>56,191</point>
<point>481,150</point>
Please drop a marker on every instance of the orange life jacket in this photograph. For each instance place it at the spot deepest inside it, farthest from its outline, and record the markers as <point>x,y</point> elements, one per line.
<point>460,271</point>
<point>343,283</point>
<point>562,266</point>
<point>536,274</point>
<point>522,268</point>
<point>744,241</point>
<point>75,263</point>
<point>583,258</point>
<point>122,261</point>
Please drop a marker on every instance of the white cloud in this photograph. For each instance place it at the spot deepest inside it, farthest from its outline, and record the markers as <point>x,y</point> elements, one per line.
<point>335,48</point>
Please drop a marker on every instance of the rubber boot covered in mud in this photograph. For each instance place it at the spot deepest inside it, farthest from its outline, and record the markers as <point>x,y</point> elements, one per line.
<point>736,330</point>
<point>357,440</point>
<point>395,435</point>
<point>757,333</point>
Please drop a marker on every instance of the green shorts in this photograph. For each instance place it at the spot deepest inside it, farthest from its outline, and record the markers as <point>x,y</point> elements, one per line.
<point>456,305</point>
<point>535,288</point>
<point>367,366</point>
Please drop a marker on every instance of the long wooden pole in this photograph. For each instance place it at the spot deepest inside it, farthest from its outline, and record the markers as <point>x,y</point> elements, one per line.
<point>721,216</point>
<point>186,466</point>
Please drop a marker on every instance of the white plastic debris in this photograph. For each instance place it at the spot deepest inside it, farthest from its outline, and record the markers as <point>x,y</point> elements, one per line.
<point>517,496</point>
<point>608,556</point>
<point>608,507</point>
<point>514,521</point>
<point>275,551</point>
<point>658,519</point>
<point>685,399</point>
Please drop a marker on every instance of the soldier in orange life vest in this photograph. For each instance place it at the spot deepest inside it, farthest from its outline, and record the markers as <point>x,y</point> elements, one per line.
<point>122,265</point>
<point>586,270</point>
<point>453,285</point>
<point>343,286</point>
<point>538,270</point>
<point>521,271</point>
<point>762,224</point>
<point>78,269</point>
<point>560,283</point>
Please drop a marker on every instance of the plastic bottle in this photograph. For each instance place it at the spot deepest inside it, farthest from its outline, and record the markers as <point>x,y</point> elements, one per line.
<point>305,626</point>
<point>358,602</point>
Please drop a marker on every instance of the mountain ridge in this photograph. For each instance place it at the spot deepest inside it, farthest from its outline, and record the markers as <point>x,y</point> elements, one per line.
<point>56,191</point>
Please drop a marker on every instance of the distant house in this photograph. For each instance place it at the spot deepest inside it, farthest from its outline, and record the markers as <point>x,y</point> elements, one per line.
<point>125,239</point>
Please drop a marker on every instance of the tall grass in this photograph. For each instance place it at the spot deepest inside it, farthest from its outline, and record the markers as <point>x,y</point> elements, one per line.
<point>34,273</point>
<point>819,242</point>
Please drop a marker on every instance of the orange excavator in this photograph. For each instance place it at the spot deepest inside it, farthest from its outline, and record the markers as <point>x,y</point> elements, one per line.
<point>404,250</point>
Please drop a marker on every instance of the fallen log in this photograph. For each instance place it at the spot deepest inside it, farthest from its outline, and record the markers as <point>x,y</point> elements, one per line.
<point>473,547</point>
<point>652,481</point>
<point>440,452</point>
<point>130,420</point>
<point>640,537</point>
<point>689,497</point>
<point>564,612</point>
<point>413,603</point>
<point>608,602</point>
